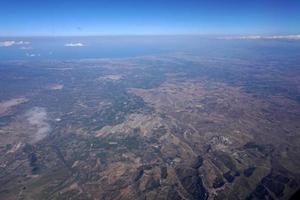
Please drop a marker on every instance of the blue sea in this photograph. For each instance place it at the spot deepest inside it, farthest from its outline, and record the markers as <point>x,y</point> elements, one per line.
<point>62,48</point>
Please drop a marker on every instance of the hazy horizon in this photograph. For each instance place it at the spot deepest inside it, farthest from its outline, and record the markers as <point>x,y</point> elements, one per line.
<point>80,47</point>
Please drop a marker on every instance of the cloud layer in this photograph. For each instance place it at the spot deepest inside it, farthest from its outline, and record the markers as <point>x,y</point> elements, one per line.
<point>74,44</point>
<point>10,43</point>
<point>260,37</point>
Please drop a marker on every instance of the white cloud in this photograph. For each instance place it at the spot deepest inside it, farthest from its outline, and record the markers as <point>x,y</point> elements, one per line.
<point>22,43</point>
<point>74,44</point>
<point>26,48</point>
<point>32,55</point>
<point>289,37</point>
<point>7,43</point>
<point>257,37</point>
<point>10,43</point>
<point>37,118</point>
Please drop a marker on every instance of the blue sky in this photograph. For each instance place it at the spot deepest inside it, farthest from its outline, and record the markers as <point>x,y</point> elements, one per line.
<point>106,17</point>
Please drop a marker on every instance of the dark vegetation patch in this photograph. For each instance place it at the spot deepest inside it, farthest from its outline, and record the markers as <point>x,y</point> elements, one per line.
<point>197,162</point>
<point>173,194</point>
<point>249,171</point>
<point>152,184</point>
<point>218,182</point>
<point>274,183</point>
<point>274,186</point>
<point>264,149</point>
<point>228,176</point>
<point>260,192</point>
<point>163,172</point>
<point>103,156</point>
<point>138,175</point>
<point>192,182</point>
<point>227,160</point>
<point>130,142</point>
